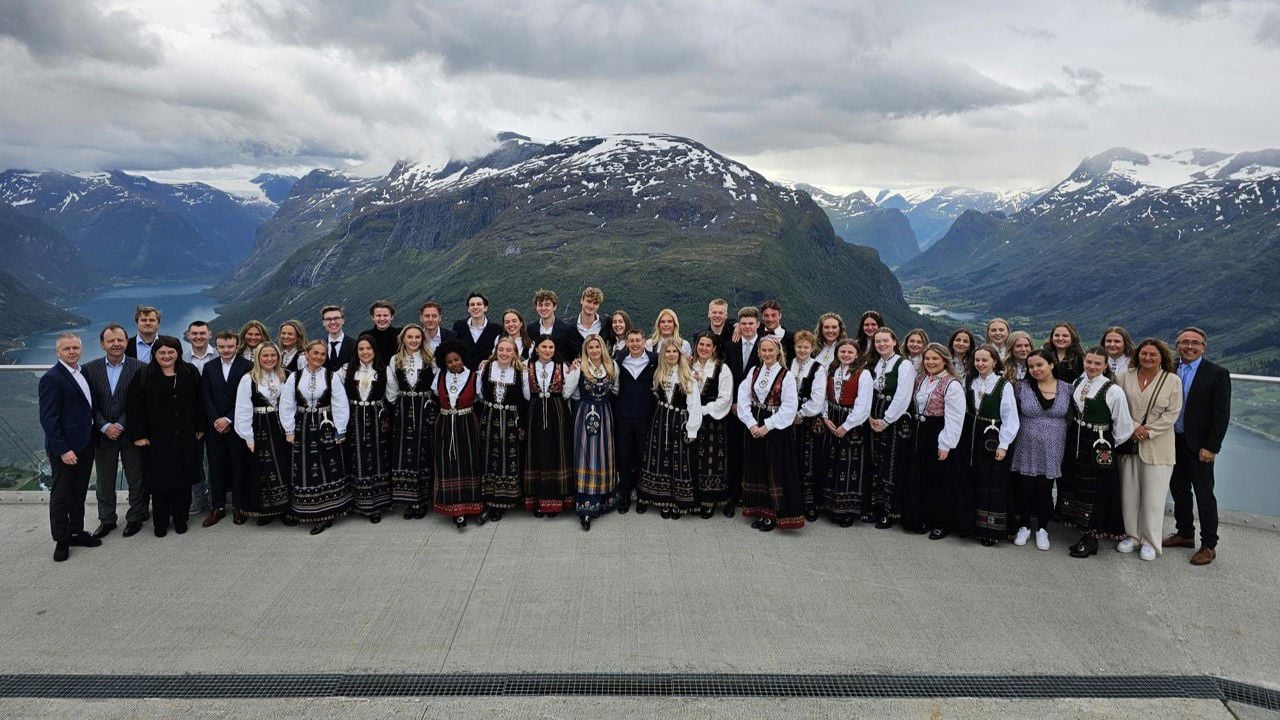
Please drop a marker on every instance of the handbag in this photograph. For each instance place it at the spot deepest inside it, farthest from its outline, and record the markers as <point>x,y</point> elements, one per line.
<point>1130,446</point>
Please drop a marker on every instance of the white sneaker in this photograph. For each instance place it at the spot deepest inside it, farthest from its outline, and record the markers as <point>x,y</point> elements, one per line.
<point>1021,538</point>
<point>1126,546</point>
<point>1147,552</point>
<point>1042,539</point>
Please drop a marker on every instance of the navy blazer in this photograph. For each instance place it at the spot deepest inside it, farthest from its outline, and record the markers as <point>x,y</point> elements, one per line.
<point>476,350</point>
<point>346,349</point>
<point>1206,410</point>
<point>218,396</point>
<point>65,415</point>
<point>568,341</point>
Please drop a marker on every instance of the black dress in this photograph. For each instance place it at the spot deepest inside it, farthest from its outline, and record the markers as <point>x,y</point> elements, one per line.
<point>267,485</point>
<point>549,480</point>
<point>808,441</point>
<point>165,411</point>
<point>770,480</point>
<point>368,444</point>
<point>501,407</point>
<point>413,419</point>
<point>709,451</point>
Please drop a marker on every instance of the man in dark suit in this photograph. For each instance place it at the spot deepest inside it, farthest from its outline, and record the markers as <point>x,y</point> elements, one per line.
<point>228,455</point>
<point>66,416</point>
<point>341,347</point>
<point>147,320</point>
<point>634,410</point>
<point>430,316</point>
<point>771,324</point>
<point>568,342</point>
<point>741,358</point>
<point>718,325</point>
<point>1198,434</point>
<point>109,379</point>
<point>476,333</point>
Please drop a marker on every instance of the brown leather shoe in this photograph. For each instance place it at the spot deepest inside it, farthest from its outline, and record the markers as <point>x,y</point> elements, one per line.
<point>1176,540</point>
<point>214,517</point>
<point>238,517</point>
<point>1204,556</point>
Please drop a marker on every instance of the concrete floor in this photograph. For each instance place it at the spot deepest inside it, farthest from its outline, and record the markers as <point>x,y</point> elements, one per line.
<point>636,594</point>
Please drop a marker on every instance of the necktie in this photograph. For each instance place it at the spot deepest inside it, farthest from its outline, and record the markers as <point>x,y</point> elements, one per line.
<point>333,349</point>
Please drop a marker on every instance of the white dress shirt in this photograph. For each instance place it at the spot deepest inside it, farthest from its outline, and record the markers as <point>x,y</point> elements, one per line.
<point>79,378</point>
<point>785,415</point>
<point>199,361</point>
<point>635,365</point>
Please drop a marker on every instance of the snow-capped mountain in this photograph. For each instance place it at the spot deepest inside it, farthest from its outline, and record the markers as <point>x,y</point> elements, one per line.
<point>931,210</point>
<point>858,220</point>
<point>657,220</point>
<point>135,227</point>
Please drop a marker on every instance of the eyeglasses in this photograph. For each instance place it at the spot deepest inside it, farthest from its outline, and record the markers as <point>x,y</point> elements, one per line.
<point>1193,343</point>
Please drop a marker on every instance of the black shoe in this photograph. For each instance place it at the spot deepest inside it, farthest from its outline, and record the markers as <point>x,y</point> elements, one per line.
<point>83,539</point>
<point>767,525</point>
<point>641,508</point>
<point>846,522</point>
<point>496,515</point>
<point>675,514</point>
<point>811,515</point>
<point>131,529</point>
<point>61,552</point>
<point>289,521</point>
<point>104,529</point>
<point>586,522</point>
<point>756,523</point>
<point>539,513</point>
<point>868,518</point>
<point>481,519</point>
<point>624,504</point>
<point>937,534</point>
<point>265,520</point>
<point>181,528</point>
<point>884,523</point>
<point>375,518</point>
<point>728,509</point>
<point>321,527</point>
<point>988,542</point>
<point>160,530</point>
<point>1087,545</point>
<point>460,521</point>
<point>665,513</point>
<point>707,512</point>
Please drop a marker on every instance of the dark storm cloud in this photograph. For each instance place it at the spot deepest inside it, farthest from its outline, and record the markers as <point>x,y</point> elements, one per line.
<point>65,31</point>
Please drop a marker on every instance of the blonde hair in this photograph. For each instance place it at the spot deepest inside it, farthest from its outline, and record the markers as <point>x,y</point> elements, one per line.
<point>402,356</point>
<point>297,328</point>
<point>610,368</point>
<point>944,353</point>
<point>683,373</point>
<point>516,361</point>
<point>782,354</point>
<point>1011,366</point>
<point>657,338</point>
<point>257,373</point>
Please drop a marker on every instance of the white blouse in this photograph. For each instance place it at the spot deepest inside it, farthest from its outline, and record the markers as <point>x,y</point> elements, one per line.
<point>270,388</point>
<point>785,415</point>
<point>694,422</point>
<point>1118,365</point>
<point>719,407</point>
<point>827,355</point>
<point>501,376</point>
<point>1117,403</point>
<point>366,375</point>
<point>542,374</point>
<point>1009,422</point>
<point>906,380</point>
<point>684,346</point>
<point>862,402</point>
<point>953,408</point>
<point>339,412</point>
<point>817,401</point>
<point>454,384</point>
<point>411,370</point>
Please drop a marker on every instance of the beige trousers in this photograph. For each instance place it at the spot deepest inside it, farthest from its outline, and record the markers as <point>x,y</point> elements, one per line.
<point>1144,489</point>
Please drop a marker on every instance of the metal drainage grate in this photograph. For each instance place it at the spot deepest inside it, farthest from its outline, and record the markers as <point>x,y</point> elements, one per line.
<point>610,684</point>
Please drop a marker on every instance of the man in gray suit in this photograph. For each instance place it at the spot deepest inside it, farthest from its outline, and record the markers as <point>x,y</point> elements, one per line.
<point>109,379</point>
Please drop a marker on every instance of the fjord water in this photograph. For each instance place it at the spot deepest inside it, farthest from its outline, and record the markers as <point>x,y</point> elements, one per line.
<point>179,304</point>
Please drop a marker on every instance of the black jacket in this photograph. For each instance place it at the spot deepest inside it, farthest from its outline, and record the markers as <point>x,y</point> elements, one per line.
<point>568,341</point>
<point>109,407</point>
<point>1206,410</point>
<point>346,349</point>
<point>635,400</point>
<point>218,396</point>
<point>733,361</point>
<point>476,350</point>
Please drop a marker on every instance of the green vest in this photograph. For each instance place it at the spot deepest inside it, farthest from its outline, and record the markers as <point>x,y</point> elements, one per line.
<point>990,407</point>
<point>891,379</point>
<point>1096,411</point>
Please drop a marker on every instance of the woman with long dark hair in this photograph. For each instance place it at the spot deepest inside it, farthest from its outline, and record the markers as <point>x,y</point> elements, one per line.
<point>893,380</point>
<point>369,430</point>
<point>1044,403</point>
<point>1068,355</point>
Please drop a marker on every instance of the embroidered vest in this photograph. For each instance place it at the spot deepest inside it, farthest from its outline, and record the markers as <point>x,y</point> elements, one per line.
<point>377,392</point>
<point>990,407</point>
<point>489,391</point>
<point>848,389</point>
<point>805,389</point>
<point>555,387</point>
<point>466,398</point>
<point>936,405</point>
<point>774,398</point>
<point>891,379</point>
<point>711,386</point>
<point>1095,410</point>
<point>403,380</point>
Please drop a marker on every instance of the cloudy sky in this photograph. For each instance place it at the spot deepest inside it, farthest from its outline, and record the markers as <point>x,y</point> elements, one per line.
<point>840,94</point>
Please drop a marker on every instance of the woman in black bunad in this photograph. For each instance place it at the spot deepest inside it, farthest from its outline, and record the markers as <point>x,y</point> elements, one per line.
<point>990,425</point>
<point>369,430</point>
<point>314,414</point>
<point>165,420</point>
<point>458,472</point>
<point>1091,500</point>
<point>666,478</point>
<point>767,405</point>
<point>257,422</point>
<point>845,492</point>
<point>498,387</point>
<point>549,486</point>
<point>811,393</point>
<point>715,399</point>
<point>413,416</point>
<point>961,346</point>
<point>893,379</point>
<point>870,322</point>
<point>937,409</point>
<point>1068,353</point>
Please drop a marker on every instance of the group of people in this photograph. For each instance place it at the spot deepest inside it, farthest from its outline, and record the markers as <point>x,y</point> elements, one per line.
<point>595,415</point>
